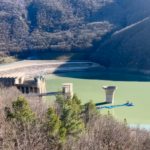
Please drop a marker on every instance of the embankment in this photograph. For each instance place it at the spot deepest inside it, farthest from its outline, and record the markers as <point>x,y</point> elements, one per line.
<point>33,68</point>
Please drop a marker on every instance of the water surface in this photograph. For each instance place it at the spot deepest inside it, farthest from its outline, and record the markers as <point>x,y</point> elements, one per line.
<point>88,86</point>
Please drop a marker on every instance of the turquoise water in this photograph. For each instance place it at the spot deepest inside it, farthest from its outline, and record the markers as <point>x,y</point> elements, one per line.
<point>88,86</point>
<point>141,126</point>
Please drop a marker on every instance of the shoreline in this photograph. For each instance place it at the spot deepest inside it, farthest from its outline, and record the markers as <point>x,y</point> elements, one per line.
<point>122,70</point>
<point>32,68</point>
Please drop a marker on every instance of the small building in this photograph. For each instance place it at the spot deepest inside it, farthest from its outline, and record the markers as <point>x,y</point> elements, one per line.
<point>36,85</point>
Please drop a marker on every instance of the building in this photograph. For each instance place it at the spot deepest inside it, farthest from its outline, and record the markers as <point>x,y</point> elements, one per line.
<point>36,85</point>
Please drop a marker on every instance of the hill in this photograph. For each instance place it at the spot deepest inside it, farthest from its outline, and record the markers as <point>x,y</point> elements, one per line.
<point>51,25</point>
<point>129,47</point>
<point>77,26</point>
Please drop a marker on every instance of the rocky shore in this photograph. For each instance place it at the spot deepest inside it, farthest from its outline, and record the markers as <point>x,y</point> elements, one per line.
<point>34,70</point>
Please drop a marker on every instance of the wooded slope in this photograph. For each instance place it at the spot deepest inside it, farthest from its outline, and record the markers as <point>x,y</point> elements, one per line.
<point>116,31</point>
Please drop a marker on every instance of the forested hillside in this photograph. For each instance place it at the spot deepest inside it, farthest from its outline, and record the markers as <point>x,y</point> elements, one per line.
<point>128,48</point>
<point>51,25</point>
<point>96,26</point>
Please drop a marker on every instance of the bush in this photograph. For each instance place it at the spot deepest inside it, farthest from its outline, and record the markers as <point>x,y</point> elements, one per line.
<point>31,124</point>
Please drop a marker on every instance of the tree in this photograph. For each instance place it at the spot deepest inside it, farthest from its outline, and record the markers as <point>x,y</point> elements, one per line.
<point>71,109</point>
<point>77,103</point>
<point>91,114</point>
<point>21,111</point>
<point>74,126</point>
<point>53,125</point>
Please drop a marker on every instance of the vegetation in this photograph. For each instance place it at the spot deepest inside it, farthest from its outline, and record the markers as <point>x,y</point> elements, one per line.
<point>21,111</point>
<point>32,124</point>
<point>126,48</point>
<point>115,31</point>
<point>47,25</point>
<point>7,60</point>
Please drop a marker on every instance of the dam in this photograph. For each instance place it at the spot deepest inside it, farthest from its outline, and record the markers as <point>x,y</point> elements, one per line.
<point>88,86</point>
<point>36,86</point>
<point>26,86</point>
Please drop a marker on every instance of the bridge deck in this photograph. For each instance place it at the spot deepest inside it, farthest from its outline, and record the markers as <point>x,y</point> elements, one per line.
<point>48,94</point>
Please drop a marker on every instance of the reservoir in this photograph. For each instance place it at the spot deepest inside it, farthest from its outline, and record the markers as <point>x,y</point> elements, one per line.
<point>88,86</point>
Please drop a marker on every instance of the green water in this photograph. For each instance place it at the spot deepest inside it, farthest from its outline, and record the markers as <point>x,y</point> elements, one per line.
<point>88,86</point>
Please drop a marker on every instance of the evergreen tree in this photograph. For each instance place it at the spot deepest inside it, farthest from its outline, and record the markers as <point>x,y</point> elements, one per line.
<point>60,99</point>
<point>70,118</point>
<point>53,125</point>
<point>90,112</point>
<point>21,111</point>
<point>74,126</point>
<point>77,104</point>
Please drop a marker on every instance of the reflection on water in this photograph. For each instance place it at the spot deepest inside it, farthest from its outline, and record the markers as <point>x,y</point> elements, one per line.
<point>106,76</point>
<point>88,86</point>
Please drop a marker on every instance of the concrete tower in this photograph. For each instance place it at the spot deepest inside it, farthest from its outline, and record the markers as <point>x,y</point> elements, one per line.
<point>67,88</point>
<point>109,93</point>
<point>40,83</point>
